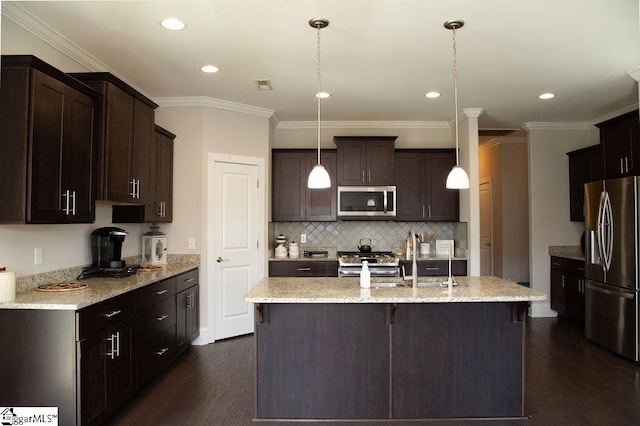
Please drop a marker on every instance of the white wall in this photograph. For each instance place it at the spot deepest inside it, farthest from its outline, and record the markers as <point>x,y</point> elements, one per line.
<point>549,199</point>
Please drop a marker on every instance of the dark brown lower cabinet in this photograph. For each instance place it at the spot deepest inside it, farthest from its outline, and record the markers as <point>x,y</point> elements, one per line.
<point>188,317</point>
<point>390,361</point>
<point>303,268</point>
<point>435,268</point>
<point>322,361</point>
<point>91,361</point>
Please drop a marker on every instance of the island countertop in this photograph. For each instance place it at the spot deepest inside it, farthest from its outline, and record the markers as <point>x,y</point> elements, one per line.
<point>347,290</point>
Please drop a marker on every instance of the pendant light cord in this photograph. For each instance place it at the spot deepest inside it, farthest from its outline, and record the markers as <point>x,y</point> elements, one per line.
<point>319,87</point>
<point>455,92</point>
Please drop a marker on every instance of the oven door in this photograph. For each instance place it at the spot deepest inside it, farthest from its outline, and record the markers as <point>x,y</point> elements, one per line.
<point>612,318</point>
<point>375,271</point>
<point>366,201</point>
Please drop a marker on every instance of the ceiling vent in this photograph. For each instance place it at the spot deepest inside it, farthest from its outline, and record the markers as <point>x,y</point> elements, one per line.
<point>264,84</point>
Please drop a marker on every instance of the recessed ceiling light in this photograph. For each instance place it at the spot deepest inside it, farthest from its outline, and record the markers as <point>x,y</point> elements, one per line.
<point>432,95</point>
<point>173,24</point>
<point>322,95</point>
<point>548,95</point>
<point>209,69</point>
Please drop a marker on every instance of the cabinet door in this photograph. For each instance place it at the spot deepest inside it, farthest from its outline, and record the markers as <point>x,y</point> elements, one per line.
<point>321,204</point>
<point>352,161</point>
<point>620,142</point>
<point>442,204</point>
<point>161,207</point>
<point>410,186</point>
<point>119,141</point>
<point>78,175</point>
<point>326,361</point>
<point>45,199</point>
<point>380,166</point>
<point>187,319</point>
<point>289,186</point>
<point>559,292</point>
<point>143,137</point>
<point>121,364</point>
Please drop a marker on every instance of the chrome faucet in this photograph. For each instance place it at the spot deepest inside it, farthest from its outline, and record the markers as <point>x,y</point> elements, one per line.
<point>411,238</point>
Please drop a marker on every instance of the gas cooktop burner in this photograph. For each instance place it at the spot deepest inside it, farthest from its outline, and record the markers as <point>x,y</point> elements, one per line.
<point>377,257</point>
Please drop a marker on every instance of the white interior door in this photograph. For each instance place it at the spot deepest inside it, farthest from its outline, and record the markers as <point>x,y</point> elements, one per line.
<point>486,229</point>
<point>234,255</point>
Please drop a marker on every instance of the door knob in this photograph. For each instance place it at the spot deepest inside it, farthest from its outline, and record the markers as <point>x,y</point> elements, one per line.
<point>219,259</point>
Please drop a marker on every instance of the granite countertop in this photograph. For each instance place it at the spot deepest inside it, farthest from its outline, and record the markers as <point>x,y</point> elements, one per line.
<point>569,252</point>
<point>98,290</point>
<point>347,290</point>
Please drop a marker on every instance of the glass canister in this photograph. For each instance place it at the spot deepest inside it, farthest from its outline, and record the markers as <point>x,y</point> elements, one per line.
<point>154,247</point>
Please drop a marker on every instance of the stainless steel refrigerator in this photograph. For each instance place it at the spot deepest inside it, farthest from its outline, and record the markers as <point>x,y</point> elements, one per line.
<point>611,264</point>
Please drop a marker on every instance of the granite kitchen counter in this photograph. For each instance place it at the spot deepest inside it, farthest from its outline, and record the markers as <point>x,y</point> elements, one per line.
<point>569,252</point>
<point>347,290</point>
<point>98,290</point>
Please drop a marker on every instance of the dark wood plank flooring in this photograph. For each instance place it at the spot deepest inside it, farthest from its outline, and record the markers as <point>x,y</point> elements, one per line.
<point>569,381</point>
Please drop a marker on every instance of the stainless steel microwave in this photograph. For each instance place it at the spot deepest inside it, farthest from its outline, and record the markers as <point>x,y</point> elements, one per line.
<point>366,202</point>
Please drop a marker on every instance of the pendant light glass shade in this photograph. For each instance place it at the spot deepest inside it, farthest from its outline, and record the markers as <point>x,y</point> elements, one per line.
<point>457,178</point>
<point>319,177</point>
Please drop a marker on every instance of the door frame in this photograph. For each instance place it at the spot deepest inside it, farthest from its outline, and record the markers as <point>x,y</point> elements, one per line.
<point>207,333</point>
<point>487,181</point>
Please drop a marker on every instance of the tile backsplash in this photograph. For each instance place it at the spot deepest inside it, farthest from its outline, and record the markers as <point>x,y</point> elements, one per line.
<point>385,235</point>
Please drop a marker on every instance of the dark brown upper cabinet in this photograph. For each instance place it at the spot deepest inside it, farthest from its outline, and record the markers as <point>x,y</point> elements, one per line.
<point>421,177</point>
<point>620,146</point>
<point>47,139</point>
<point>365,160</point>
<point>160,208</point>
<point>126,132</point>
<point>292,201</point>
<point>585,165</point>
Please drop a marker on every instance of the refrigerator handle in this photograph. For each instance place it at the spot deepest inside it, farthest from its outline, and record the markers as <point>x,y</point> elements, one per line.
<point>608,228</point>
<point>600,230</point>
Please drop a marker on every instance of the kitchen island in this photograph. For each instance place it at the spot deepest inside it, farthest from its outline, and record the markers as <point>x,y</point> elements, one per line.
<point>328,350</point>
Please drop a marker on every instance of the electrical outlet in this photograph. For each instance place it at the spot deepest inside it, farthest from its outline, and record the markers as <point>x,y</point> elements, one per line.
<point>303,238</point>
<point>37,256</point>
<point>192,243</point>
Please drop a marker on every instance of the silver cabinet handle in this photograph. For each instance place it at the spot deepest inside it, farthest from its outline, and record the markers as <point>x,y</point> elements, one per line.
<point>161,292</point>
<point>219,259</point>
<point>188,280</point>
<point>162,351</point>
<point>133,188</point>
<point>621,166</point>
<point>65,195</point>
<point>429,210</point>
<point>162,318</point>
<point>73,205</point>
<point>423,211</point>
<point>304,269</point>
<point>111,314</point>
<point>369,171</point>
<point>115,345</point>
<point>189,301</point>
<point>363,181</point>
<point>431,268</point>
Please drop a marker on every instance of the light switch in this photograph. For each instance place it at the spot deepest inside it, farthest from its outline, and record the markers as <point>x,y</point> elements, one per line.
<point>192,243</point>
<point>37,256</point>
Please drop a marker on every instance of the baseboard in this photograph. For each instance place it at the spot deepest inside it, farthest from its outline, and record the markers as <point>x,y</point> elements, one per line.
<point>205,337</point>
<point>542,310</point>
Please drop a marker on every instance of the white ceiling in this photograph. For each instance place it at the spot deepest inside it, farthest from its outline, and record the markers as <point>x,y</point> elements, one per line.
<point>379,57</point>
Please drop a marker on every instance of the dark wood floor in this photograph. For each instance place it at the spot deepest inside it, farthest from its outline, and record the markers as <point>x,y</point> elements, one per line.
<point>568,381</point>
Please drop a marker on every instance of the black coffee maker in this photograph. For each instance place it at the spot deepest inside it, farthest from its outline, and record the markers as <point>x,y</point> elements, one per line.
<point>106,247</point>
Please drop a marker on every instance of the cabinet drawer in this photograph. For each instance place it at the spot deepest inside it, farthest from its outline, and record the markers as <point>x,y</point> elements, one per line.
<point>303,269</point>
<point>436,268</point>
<point>186,280</point>
<point>559,263</point>
<point>155,293</point>
<point>104,314</point>
<point>155,355</point>
<point>154,320</point>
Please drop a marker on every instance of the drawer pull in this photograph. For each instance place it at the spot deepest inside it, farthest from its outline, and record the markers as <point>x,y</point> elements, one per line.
<point>162,351</point>
<point>188,280</point>
<point>432,268</point>
<point>162,318</point>
<point>161,292</point>
<point>111,314</point>
<point>304,269</point>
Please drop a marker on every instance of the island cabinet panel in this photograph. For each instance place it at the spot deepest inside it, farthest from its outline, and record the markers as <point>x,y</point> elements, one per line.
<point>322,361</point>
<point>435,267</point>
<point>456,360</point>
<point>302,268</point>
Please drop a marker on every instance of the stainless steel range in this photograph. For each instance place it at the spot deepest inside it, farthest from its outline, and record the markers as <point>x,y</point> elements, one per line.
<point>381,263</point>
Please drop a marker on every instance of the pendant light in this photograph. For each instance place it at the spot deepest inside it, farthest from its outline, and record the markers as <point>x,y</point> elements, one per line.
<point>457,178</point>
<point>319,177</point>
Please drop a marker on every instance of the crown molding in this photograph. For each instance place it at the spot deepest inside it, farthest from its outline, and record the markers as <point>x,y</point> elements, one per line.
<point>204,101</point>
<point>635,74</point>
<point>556,126</point>
<point>616,113</point>
<point>294,125</point>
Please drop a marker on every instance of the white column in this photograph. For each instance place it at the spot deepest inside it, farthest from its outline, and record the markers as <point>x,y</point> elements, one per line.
<point>470,198</point>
